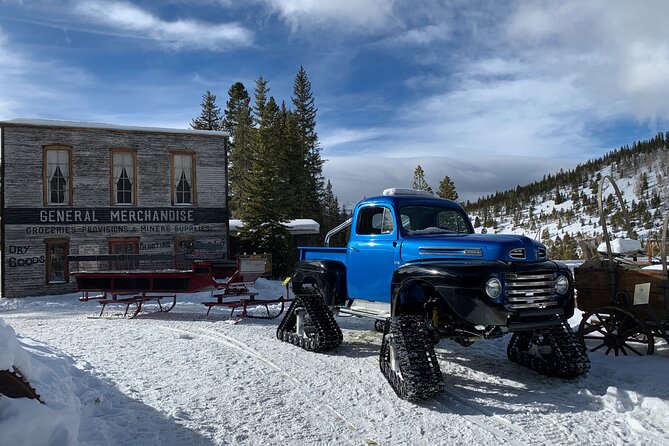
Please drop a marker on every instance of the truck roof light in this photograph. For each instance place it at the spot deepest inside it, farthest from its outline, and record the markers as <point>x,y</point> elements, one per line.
<point>404,191</point>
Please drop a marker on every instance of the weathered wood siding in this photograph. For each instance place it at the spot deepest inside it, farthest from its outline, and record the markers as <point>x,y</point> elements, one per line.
<point>27,227</point>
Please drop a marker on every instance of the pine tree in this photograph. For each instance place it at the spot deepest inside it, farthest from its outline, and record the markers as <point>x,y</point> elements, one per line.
<point>331,211</point>
<point>210,116</point>
<point>238,98</point>
<point>239,123</point>
<point>264,207</point>
<point>419,182</point>
<point>447,189</point>
<point>305,114</point>
<point>294,157</point>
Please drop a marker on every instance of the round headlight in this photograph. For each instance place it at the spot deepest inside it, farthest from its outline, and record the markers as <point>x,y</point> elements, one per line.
<point>562,284</point>
<point>493,288</point>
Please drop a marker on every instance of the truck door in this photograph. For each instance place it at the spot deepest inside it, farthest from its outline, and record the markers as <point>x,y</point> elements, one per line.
<point>371,254</point>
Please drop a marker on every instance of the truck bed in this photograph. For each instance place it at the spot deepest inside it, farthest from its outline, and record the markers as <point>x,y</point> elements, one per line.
<point>322,253</point>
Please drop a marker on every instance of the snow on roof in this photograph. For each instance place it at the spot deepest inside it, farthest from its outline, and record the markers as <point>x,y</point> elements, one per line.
<point>102,126</point>
<point>299,226</point>
<point>621,246</point>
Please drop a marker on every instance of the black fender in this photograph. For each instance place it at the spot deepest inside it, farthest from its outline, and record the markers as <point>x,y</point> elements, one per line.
<point>328,275</point>
<point>461,287</point>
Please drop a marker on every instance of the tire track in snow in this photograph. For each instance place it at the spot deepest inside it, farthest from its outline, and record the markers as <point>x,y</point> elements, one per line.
<point>503,428</point>
<point>249,351</point>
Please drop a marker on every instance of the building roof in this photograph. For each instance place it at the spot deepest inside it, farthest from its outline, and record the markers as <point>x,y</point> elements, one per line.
<point>22,122</point>
<point>300,226</point>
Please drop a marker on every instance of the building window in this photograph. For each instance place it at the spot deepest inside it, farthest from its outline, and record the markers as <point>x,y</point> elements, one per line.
<point>123,176</point>
<point>57,178</point>
<point>182,179</point>
<point>184,247</point>
<point>124,251</point>
<point>56,260</point>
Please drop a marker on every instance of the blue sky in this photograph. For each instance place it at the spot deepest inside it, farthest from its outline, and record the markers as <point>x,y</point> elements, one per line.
<point>493,94</point>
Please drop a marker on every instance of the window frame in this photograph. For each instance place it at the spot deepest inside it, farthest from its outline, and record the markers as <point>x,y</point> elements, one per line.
<point>386,209</point>
<point>46,190</point>
<point>173,190</point>
<point>177,252</point>
<point>112,241</point>
<point>47,260</point>
<point>112,184</point>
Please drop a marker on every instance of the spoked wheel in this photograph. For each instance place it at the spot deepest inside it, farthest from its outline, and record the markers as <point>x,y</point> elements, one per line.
<point>614,330</point>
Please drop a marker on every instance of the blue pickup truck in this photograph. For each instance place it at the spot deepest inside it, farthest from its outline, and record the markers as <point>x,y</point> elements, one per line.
<point>414,264</point>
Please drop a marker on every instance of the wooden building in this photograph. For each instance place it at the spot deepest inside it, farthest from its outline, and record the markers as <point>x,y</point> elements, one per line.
<point>82,189</point>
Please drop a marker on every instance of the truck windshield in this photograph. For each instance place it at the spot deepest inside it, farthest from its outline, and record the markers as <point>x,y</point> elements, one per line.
<point>433,219</point>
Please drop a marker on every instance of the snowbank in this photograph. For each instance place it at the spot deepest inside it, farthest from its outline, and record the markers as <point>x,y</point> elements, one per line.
<point>27,422</point>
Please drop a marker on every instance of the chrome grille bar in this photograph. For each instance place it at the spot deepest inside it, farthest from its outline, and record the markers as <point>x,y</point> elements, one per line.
<point>532,290</point>
<point>546,284</point>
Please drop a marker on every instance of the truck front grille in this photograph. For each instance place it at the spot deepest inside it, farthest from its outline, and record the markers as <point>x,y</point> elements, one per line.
<point>529,290</point>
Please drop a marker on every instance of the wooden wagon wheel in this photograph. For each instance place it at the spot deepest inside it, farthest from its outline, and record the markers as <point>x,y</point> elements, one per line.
<point>613,329</point>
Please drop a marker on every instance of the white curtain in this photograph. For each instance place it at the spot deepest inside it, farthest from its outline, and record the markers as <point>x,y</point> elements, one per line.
<point>123,160</point>
<point>58,159</point>
<point>183,164</point>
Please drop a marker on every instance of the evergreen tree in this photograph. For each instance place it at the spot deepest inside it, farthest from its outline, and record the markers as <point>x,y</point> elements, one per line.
<point>447,189</point>
<point>419,182</point>
<point>545,236</point>
<point>239,123</point>
<point>331,211</point>
<point>264,209</point>
<point>238,99</point>
<point>210,116</point>
<point>294,162</point>
<point>311,193</point>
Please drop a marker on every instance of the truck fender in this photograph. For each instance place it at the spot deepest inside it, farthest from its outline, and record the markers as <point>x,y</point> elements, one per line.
<point>328,275</point>
<point>410,296</point>
<point>414,285</point>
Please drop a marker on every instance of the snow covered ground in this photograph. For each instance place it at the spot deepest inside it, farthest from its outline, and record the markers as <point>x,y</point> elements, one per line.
<point>176,379</point>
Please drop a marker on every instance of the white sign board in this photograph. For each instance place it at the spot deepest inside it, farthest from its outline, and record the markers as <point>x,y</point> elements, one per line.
<point>641,293</point>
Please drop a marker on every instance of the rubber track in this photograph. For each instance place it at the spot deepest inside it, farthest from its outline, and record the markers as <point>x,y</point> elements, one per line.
<point>568,358</point>
<point>328,335</point>
<point>420,376</point>
<point>14,385</point>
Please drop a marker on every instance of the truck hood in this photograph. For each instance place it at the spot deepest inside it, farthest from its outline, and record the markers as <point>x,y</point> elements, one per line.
<point>492,247</point>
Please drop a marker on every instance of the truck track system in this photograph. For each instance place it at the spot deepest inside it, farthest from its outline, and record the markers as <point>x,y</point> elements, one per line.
<point>408,360</point>
<point>14,385</point>
<point>309,324</point>
<point>553,352</point>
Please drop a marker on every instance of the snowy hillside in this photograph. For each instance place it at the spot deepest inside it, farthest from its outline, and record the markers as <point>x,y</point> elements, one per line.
<point>176,379</point>
<point>571,210</point>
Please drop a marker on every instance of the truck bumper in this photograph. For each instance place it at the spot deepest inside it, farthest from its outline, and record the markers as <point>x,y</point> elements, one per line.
<point>475,309</point>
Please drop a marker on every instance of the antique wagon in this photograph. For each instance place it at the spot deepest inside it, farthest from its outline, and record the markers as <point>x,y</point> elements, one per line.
<point>625,303</point>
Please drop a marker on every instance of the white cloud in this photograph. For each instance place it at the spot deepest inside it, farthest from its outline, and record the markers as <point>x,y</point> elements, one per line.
<point>30,82</point>
<point>337,137</point>
<point>176,34</point>
<point>361,15</point>
<point>355,177</point>
<point>616,51</point>
<point>421,36</point>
